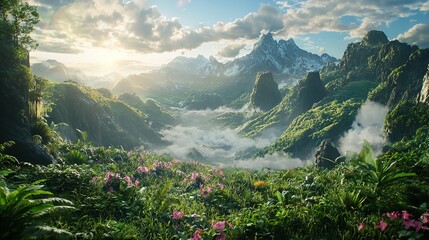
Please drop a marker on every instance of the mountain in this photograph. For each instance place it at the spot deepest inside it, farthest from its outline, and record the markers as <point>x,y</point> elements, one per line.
<point>283,58</point>
<point>107,121</point>
<point>58,72</point>
<point>387,72</point>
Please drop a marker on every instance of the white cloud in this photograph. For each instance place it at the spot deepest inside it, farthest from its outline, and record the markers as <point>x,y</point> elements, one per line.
<point>218,145</point>
<point>182,3</point>
<point>275,161</point>
<point>368,126</point>
<point>231,50</point>
<point>132,24</point>
<point>417,35</point>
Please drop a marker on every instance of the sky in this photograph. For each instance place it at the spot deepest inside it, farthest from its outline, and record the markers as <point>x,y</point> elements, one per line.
<point>135,36</point>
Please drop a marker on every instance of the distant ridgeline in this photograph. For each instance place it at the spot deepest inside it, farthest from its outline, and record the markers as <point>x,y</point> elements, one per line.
<point>388,72</point>
<point>183,76</point>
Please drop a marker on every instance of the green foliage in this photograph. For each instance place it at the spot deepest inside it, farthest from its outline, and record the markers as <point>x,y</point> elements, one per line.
<point>381,174</point>
<point>327,121</point>
<point>23,210</point>
<point>17,20</point>
<point>75,157</point>
<point>43,130</point>
<point>405,119</point>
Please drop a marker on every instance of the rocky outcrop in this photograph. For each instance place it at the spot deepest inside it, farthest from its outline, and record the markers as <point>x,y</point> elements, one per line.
<point>265,94</point>
<point>424,93</point>
<point>327,155</point>
<point>310,90</point>
<point>374,37</point>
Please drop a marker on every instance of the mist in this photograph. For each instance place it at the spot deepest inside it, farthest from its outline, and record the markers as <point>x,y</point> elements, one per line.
<point>199,138</point>
<point>368,125</point>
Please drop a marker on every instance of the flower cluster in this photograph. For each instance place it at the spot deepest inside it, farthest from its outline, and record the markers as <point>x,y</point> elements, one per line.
<point>421,224</point>
<point>112,181</point>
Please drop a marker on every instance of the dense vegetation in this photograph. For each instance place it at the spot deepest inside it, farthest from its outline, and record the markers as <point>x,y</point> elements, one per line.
<point>135,195</point>
<point>91,191</point>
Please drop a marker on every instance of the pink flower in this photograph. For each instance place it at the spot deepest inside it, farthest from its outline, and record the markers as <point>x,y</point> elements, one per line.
<point>128,180</point>
<point>418,225</point>
<point>425,217</point>
<point>381,225</point>
<point>177,215</point>
<point>197,234</point>
<point>393,215</point>
<point>136,183</point>
<point>205,191</point>
<point>220,226</point>
<point>220,186</point>
<point>94,180</point>
<point>413,224</point>
<point>143,169</point>
<point>361,226</point>
<point>109,177</point>
<point>406,215</point>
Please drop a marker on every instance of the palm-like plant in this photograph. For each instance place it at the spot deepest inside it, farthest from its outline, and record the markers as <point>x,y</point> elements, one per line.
<point>379,173</point>
<point>24,211</point>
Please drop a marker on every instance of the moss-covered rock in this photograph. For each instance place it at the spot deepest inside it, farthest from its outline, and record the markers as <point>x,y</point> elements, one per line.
<point>265,94</point>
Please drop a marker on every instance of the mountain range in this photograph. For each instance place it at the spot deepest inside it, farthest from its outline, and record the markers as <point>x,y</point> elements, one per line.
<point>283,58</point>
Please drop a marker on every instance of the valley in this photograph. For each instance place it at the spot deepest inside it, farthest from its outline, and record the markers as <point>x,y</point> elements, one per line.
<point>272,142</point>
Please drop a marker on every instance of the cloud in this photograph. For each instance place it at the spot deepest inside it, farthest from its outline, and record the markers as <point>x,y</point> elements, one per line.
<point>368,126</point>
<point>132,24</point>
<point>197,136</point>
<point>314,16</point>
<point>182,3</point>
<point>231,50</point>
<point>275,161</point>
<point>417,35</point>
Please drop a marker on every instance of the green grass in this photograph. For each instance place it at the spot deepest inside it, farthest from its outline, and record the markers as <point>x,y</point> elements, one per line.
<point>139,195</point>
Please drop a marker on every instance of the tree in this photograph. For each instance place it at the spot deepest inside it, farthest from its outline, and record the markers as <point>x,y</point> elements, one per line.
<point>17,20</point>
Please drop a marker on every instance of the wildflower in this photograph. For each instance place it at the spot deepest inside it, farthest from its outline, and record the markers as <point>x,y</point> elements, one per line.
<point>417,225</point>
<point>94,180</point>
<point>177,215</point>
<point>136,183</point>
<point>220,186</point>
<point>205,191</point>
<point>220,226</point>
<point>109,177</point>
<point>393,215</point>
<point>381,225</point>
<point>406,215</point>
<point>128,180</point>
<point>361,226</point>
<point>425,217</point>
<point>197,234</point>
<point>176,161</point>
<point>259,184</point>
<point>143,169</point>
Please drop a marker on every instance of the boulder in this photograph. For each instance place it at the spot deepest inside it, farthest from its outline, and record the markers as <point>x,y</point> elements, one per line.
<point>327,155</point>
<point>265,94</point>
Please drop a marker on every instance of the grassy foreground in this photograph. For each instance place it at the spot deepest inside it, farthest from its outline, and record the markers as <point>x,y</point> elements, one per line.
<point>106,193</point>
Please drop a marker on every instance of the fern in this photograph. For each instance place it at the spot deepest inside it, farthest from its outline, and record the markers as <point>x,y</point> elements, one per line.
<point>24,210</point>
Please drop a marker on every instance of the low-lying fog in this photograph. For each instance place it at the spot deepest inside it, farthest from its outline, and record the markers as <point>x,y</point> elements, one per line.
<point>199,138</point>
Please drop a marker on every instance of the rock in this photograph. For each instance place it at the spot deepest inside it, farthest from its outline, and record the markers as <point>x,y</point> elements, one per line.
<point>327,155</point>
<point>424,94</point>
<point>374,37</point>
<point>310,91</point>
<point>265,94</point>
